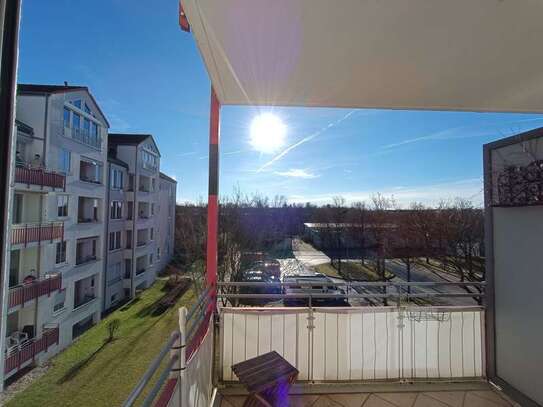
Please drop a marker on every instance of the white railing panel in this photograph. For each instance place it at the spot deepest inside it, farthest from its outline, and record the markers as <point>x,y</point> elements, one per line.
<point>197,378</point>
<point>353,344</point>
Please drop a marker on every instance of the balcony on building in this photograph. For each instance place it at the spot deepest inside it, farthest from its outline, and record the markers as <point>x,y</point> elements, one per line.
<point>143,237</point>
<point>145,184</point>
<point>90,171</point>
<point>86,250</point>
<point>85,291</point>
<point>84,135</point>
<point>142,263</point>
<point>88,210</point>
<point>22,347</point>
<point>23,294</point>
<point>144,210</point>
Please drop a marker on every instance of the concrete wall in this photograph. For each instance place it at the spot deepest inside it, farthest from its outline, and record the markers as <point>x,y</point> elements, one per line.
<point>515,239</point>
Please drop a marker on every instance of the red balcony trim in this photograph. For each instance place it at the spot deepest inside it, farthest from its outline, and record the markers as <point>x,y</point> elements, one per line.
<point>197,339</point>
<point>22,294</point>
<point>28,233</point>
<point>30,350</point>
<point>167,393</point>
<point>40,177</point>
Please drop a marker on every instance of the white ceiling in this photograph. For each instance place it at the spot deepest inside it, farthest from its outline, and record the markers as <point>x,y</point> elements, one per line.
<point>475,55</point>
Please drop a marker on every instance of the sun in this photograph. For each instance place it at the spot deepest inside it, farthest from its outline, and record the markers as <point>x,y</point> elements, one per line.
<point>268,133</point>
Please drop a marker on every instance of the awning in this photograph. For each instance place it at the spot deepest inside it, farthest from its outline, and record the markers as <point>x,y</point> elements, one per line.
<point>474,55</point>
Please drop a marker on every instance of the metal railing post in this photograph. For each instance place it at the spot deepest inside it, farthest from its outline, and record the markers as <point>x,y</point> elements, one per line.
<point>183,396</point>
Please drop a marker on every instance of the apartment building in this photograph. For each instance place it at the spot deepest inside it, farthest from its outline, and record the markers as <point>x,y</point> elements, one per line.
<point>91,222</point>
<point>141,202</point>
<point>57,222</point>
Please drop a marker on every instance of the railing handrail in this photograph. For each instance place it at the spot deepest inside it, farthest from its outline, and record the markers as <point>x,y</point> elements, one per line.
<point>37,281</point>
<point>153,367</point>
<point>29,166</point>
<point>22,225</point>
<point>349,284</point>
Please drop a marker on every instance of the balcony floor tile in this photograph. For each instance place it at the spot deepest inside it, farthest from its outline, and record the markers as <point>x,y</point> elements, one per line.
<point>392,399</point>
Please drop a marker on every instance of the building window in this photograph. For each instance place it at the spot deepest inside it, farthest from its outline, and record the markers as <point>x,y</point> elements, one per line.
<point>116,177</point>
<point>152,209</point>
<point>114,240</point>
<point>60,298</point>
<point>152,184</point>
<point>86,126</point>
<point>61,253</point>
<point>115,210</point>
<point>114,274</point>
<point>113,298</point>
<point>77,103</point>
<point>62,206</point>
<point>152,234</point>
<point>66,117</point>
<point>150,258</point>
<point>90,171</point>
<point>64,160</point>
<point>158,253</point>
<point>87,109</point>
<point>76,120</point>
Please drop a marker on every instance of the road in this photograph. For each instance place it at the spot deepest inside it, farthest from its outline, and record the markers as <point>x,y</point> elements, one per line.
<point>306,257</point>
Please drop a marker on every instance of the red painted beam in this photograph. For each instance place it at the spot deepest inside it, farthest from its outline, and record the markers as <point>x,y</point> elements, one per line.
<point>213,197</point>
<point>183,21</point>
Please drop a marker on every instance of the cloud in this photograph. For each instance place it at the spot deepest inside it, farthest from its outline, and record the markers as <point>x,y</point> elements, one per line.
<point>186,154</point>
<point>304,140</point>
<point>297,173</point>
<point>462,132</point>
<point>470,188</point>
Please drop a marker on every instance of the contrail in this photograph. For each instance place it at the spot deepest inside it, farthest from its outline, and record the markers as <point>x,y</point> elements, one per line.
<point>304,140</point>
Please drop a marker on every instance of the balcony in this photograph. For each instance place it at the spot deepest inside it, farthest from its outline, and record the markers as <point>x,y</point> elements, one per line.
<point>85,291</point>
<point>40,177</point>
<point>84,136</point>
<point>90,171</point>
<point>338,351</point>
<point>24,354</point>
<point>36,232</point>
<point>88,210</point>
<point>23,293</point>
<point>86,250</point>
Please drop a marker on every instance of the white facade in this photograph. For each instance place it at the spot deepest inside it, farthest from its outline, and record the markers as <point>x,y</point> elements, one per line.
<point>141,212</point>
<point>59,217</point>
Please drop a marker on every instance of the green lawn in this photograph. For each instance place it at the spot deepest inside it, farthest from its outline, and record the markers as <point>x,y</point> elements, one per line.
<point>109,376</point>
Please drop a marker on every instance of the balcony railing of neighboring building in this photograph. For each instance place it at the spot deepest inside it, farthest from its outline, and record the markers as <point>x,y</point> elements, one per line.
<point>22,355</point>
<point>83,259</point>
<point>83,300</point>
<point>140,271</point>
<point>84,136</point>
<point>36,232</point>
<point>23,293</point>
<point>142,243</point>
<point>26,174</point>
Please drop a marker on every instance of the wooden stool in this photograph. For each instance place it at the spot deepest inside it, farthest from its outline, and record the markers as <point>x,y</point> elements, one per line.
<point>267,378</point>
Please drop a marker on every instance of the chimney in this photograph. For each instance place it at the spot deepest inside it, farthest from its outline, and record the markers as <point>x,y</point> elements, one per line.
<point>66,83</point>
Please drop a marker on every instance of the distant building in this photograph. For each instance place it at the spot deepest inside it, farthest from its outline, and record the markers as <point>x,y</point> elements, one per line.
<point>141,204</point>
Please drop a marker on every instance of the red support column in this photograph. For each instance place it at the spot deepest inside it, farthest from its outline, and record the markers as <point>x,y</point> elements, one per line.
<point>213,197</point>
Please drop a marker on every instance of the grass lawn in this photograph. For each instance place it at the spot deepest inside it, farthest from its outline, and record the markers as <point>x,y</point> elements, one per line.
<point>108,377</point>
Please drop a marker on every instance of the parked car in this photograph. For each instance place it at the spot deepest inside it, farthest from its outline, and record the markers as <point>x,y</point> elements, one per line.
<point>271,267</point>
<point>258,276</point>
<point>314,284</point>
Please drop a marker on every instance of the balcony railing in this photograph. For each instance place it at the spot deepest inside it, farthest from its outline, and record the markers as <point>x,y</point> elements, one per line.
<point>21,294</point>
<point>83,301</point>
<point>39,176</point>
<point>140,271</point>
<point>84,136</point>
<point>28,351</point>
<point>84,259</point>
<point>36,232</point>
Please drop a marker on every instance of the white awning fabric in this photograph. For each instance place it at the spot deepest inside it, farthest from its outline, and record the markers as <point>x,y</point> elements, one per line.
<point>473,55</point>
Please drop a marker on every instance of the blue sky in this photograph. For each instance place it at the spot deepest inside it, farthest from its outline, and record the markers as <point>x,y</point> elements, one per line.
<point>148,77</point>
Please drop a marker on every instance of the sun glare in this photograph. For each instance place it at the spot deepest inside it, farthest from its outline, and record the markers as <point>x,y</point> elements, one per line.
<point>267,133</point>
